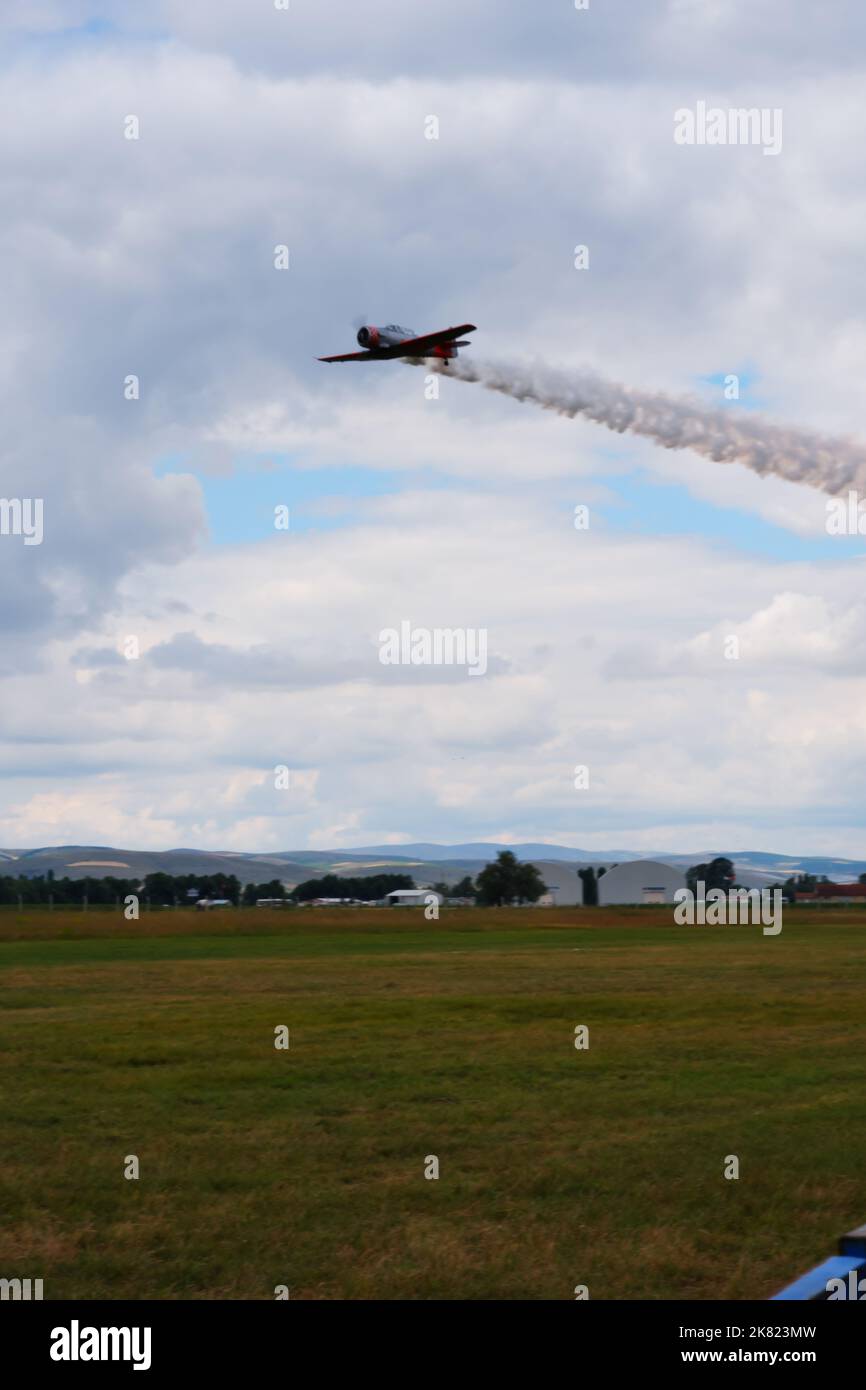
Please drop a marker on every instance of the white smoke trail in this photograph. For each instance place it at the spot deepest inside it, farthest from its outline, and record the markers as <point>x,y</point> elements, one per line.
<point>676,422</point>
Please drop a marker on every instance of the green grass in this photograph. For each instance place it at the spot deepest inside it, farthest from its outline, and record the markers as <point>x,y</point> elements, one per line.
<point>409,1038</point>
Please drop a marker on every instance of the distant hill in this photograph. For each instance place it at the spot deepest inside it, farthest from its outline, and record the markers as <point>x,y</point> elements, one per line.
<point>99,861</point>
<point>488,849</point>
<point>427,862</point>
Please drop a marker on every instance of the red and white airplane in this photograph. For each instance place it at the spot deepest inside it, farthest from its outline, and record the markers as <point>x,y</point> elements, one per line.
<point>382,344</point>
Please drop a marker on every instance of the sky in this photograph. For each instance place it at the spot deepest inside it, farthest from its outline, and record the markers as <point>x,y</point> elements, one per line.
<point>176,669</point>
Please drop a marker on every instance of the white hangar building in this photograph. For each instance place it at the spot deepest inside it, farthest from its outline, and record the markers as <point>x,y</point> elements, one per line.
<point>565,889</point>
<point>639,881</point>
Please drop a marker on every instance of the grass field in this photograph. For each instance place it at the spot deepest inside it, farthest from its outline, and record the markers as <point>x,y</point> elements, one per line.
<point>409,1038</point>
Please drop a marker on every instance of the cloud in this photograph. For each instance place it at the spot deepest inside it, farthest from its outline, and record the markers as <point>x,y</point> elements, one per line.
<point>155,258</point>
<point>193,736</point>
<point>617,43</point>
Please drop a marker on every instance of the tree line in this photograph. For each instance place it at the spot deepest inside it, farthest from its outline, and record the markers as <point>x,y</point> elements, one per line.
<point>161,890</point>
<point>178,890</point>
<point>498,884</point>
<point>367,889</point>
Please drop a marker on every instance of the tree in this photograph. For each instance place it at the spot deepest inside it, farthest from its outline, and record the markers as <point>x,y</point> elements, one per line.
<point>507,881</point>
<point>719,873</point>
<point>695,875</point>
<point>368,887</point>
<point>790,890</point>
<point>800,883</point>
<point>228,886</point>
<point>464,889</point>
<point>159,888</point>
<point>590,886</point>
<point>252,891</point>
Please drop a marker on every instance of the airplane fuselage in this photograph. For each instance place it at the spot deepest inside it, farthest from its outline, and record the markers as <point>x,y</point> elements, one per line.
<point>371,337</point>
<point>393,341</point>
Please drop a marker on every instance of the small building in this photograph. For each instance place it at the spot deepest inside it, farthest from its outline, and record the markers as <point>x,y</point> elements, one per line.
<point>412,897</point>
<point>841,893</point>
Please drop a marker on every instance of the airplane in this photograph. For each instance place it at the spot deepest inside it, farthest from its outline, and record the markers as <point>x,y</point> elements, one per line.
<point>383,344</point>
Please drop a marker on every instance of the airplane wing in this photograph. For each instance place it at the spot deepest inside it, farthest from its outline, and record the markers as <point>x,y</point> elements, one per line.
<point>350,357</point>
<point>410,347</point>
<point>416,347</point>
